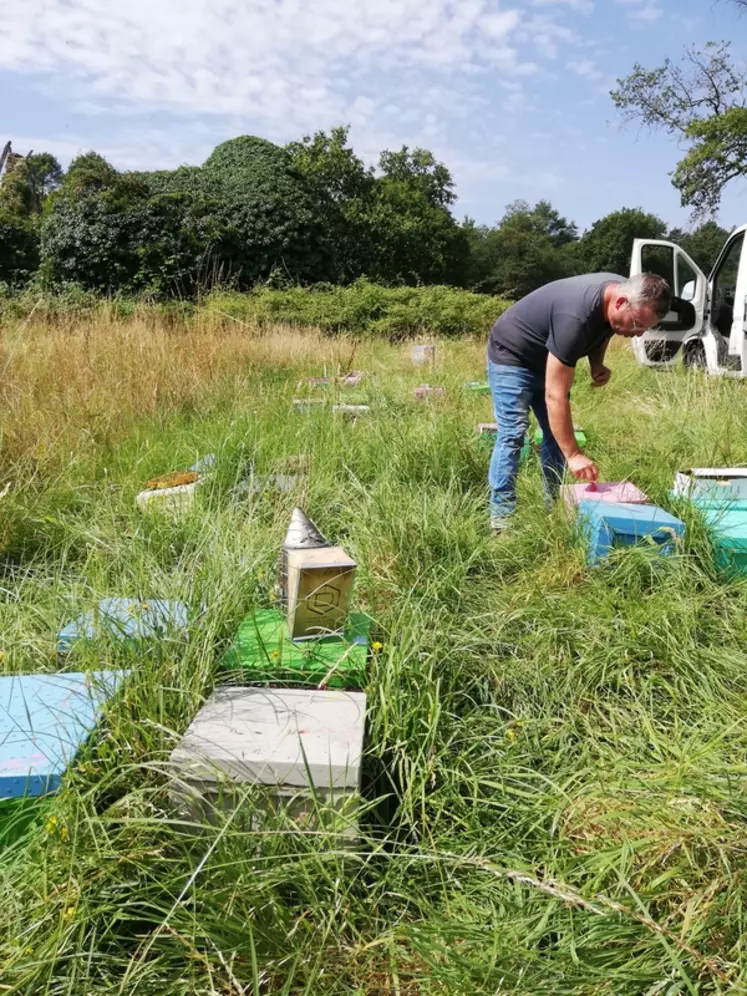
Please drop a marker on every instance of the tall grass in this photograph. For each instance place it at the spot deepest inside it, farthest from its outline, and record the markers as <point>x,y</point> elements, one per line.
<point>556,757</point>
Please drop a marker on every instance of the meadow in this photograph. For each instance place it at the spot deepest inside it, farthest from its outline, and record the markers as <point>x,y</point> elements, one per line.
<point>555,791</point>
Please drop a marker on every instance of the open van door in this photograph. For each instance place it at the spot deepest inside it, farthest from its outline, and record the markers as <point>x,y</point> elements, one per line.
<point>729,298</point>
<point>660,346</point>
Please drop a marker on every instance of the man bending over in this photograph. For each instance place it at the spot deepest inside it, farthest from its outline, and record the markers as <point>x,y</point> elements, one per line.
<point>532,354</point>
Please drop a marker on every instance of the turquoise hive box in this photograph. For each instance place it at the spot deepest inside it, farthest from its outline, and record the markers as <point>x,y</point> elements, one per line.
<point>727,526</point>
<point>605,525</point>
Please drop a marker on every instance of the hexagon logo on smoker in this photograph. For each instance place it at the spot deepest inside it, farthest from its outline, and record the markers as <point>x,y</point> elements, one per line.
<point>326,597</point>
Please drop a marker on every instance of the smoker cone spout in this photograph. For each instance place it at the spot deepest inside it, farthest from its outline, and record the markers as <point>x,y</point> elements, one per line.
<point>302,535</point>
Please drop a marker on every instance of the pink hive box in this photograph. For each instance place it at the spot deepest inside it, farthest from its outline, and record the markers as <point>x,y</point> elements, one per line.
<point>617,491</point>
<point>426,391</point>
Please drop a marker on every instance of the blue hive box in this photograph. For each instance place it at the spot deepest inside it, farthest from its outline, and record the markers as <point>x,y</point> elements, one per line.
<point>44,720</point>
<point>126,619</point>
<point>728,528</point>
<point>608,524</point>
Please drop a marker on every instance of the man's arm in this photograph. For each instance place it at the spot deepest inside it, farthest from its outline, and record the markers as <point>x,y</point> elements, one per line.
<point>558,383</point>
<point>600,374</point>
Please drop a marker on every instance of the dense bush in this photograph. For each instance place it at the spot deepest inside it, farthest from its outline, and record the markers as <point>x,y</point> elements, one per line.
<point>366,309</point>
<point>273,217</point>
<point>362,310</point>
<point>124,238</point>
<point>19,249</point>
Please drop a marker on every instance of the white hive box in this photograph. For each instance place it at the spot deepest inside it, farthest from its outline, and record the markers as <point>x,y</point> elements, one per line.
<point>301,748</point>
<point>712,483</point>
<point>319,587</point>
<point>352,411</point>
<point>175,502</point>
<point>421,354</point>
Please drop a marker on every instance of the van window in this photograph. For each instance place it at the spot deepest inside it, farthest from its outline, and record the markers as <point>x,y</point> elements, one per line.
<point>659,260</point>
<point>686,278</point>
<point>725,287</point>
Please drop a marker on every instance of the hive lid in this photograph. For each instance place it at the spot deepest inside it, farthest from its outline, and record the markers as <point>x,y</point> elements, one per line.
<point>127,619</point>
<point>44,720</point>
<point>276,736</point>
<point>621,492</point>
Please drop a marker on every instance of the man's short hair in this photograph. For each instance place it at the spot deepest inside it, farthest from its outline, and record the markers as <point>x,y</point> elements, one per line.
<point>648,290</point>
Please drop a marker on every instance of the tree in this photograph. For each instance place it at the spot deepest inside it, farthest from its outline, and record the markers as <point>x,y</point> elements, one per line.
<point>420,169</point>
<point>410,240</point>
<point>607,245</point>
<point>333,164</point>
<point>559,230</point>
<point>27,182</point>
<point>516,256</point>
<point>19,249</point>
<point>87,174</point>
<point>330,163</point>
<point>275,218</point>
<point>529,247</point>
<point>703,244</point>
<point>125,238</point>
<point>703,102</point>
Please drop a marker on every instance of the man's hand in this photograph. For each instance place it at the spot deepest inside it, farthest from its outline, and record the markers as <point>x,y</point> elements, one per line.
<point>600,375</point>
<point>583,468</point>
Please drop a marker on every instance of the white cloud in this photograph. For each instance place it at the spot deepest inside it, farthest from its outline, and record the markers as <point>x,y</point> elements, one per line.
<point>641,12</point>
<point>584,6</point>
<point>420,72</point>
<point>586,68</point>
<point>270,60</point>
<point>547,35</point>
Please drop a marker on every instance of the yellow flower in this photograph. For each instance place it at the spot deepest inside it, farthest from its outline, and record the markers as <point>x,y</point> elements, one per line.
<point>511,734</point>
<point>377,647</point>
<point>63,833</point>
<point>275,654</point>
<point>70,912</point>
<point>273,597</point>
<point>51,824</point>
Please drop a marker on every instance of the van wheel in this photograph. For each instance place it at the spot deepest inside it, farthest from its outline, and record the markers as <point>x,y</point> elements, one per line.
<point>694,356</point>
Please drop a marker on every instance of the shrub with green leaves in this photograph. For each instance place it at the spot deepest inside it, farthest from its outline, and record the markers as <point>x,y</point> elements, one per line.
<point>366,309</point>
<point>274,217</point>
<point>124,238</point>
<point>19,249</point>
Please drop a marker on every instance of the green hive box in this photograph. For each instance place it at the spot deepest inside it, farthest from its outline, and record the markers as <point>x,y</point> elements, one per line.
<point>579,434</point>
<point>264,651</point>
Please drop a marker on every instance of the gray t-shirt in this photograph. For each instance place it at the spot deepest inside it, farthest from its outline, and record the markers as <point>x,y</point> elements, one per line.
<point>564,318</point>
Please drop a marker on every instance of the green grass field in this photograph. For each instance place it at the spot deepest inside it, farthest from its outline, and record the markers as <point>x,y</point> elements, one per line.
<point>557,758</point>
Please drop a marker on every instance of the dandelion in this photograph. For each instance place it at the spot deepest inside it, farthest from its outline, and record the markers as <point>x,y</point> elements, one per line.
<point>51,825</point>
<point>511,735</point>
<point>377,647</point>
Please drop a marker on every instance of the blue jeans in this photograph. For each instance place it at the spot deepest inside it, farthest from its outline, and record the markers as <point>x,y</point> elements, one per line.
<point>515,390</point>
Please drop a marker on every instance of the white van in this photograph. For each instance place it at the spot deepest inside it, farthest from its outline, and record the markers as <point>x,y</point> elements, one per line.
<point>709,330</point>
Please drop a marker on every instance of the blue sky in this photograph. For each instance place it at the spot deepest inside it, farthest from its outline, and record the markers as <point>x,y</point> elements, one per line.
<point>512,96</point>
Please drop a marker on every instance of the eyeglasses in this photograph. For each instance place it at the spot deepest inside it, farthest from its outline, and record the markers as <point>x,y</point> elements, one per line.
<point>635,327</point>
